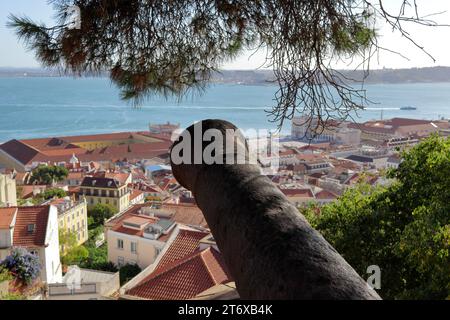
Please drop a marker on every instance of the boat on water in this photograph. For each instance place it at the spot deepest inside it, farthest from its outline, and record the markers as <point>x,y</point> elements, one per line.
<point>408,108</point>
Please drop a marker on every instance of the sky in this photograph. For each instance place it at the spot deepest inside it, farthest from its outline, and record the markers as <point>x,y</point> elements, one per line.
<point>435,40</point>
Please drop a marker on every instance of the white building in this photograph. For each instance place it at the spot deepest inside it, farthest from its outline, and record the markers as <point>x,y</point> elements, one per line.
<point>138,237</point>
<point>35,229</point>
<point>7,191</point>
<point>310,130</point>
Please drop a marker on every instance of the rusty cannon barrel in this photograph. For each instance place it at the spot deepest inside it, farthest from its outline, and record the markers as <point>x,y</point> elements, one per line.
<point>270,249</point>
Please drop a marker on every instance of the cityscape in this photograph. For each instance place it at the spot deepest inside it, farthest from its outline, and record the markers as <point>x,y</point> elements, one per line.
<point>115,195</point>
<point>224,159</point>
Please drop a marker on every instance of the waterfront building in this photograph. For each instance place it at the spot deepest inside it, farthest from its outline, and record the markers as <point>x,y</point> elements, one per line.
<point>76,151</point>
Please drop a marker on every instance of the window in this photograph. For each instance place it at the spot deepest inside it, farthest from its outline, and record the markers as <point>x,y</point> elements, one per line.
<point>120,261</point>
<point>120,244</point>
<point>31,228</point>
<point>133,247</point>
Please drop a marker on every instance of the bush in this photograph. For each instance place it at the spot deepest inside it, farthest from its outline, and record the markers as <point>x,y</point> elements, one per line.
<point>12,296</point>
<point>128,272</point>
<point>23,265</point>
<point>98,259</point>
<point>5,275</point>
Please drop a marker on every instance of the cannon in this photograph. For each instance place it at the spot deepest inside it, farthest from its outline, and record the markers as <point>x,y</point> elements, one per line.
<point>270,249</point>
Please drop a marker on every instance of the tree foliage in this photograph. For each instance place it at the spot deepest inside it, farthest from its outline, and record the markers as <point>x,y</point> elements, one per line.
<point>98,259</point>
<point>47,175</point>
<point>172,46</point>
<point>53,193</point>
<point>5,275</point>
<point>403,228</point>
<point>70,252</point>
<point>128,272</point>
<point>101,212</point>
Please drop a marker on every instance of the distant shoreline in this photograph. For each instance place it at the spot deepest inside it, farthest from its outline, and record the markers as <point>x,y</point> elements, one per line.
<point>266,78</point>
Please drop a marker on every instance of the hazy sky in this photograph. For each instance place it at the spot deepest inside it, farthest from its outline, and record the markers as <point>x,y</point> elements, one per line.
<point>435,40</point>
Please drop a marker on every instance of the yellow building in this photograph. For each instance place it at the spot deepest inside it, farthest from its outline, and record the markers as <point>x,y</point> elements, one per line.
<point>7,191</point>
<point>106,191</point>
<point>72,217</point>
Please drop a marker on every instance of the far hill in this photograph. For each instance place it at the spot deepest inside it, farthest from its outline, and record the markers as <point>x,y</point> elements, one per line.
<point>265,77</point>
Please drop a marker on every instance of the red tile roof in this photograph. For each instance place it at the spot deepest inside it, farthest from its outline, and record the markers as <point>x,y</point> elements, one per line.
<point>75,176</point>
<point>187,214</point>
<point>6,217</point>
<point>325,194</point>
<point>305,193</point>
<point>186,243</point>
<point>19,151</point>
<point>118,225</point>
<point>61,149</point>
<point>135,193</point>
<point>184,279</point>
<point>26,216</point>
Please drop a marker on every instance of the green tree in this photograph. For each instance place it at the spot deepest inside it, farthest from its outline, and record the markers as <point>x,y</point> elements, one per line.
<point>170,47</point>
<point>128,272</point>
<point>98,259</point>
<point>403,228</point>
<point>54,193</point>
<point>47,175</point>
<point>101,212</point>
<point>71,253</point>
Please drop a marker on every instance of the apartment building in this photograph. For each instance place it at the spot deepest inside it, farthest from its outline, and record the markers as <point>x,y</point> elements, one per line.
<point>72,217</point>
<point>106,191</point>
<point>7,191</point>
<point>138,237</point>
<point>35,229</point>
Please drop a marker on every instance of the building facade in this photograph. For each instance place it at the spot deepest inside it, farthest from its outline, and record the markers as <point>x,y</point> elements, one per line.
<point>105,191</point>
<point>8,197</point>
<point>137,238</point>
<point>36,230</point>
<point>72,217</point>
